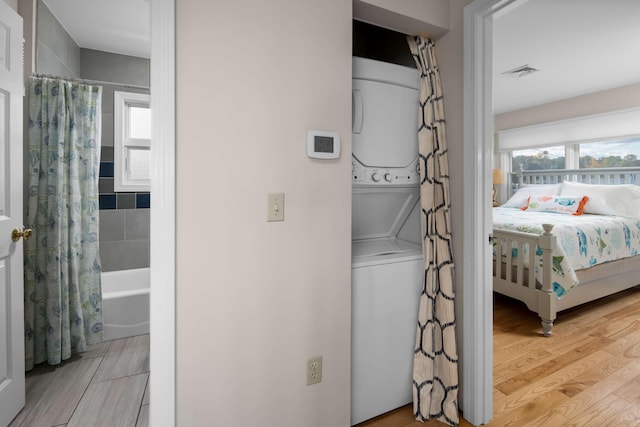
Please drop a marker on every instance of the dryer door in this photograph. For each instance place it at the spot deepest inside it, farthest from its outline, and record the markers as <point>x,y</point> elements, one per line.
<point>385,124</point>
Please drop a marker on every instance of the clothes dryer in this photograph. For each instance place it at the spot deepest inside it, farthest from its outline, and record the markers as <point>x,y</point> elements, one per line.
<point>387,263</point>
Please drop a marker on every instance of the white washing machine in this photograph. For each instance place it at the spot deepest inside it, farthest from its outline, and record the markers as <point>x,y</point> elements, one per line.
<point>387,264</point>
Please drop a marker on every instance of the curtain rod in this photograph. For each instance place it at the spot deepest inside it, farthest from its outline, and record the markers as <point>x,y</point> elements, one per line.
<point>88,81</point>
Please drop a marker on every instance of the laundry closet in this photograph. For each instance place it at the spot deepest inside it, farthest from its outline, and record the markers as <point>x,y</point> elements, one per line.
<point>387,261</point>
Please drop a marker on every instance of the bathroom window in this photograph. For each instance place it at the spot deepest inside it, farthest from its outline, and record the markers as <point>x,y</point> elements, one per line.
<point>132,142</point>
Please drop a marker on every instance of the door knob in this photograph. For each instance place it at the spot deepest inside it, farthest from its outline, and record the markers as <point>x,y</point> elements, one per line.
<point>16,234</point>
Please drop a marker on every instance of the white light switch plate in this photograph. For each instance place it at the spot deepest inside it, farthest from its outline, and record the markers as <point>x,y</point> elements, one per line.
<point>275,207</point>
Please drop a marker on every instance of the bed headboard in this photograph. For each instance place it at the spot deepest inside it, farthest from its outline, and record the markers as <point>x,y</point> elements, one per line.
<point>606,176</point>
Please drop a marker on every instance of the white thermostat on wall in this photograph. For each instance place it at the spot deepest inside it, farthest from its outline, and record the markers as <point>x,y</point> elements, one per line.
<point>323,145</point>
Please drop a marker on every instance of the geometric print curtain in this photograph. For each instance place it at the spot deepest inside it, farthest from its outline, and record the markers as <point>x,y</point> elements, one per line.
<point>435,365</point>
<point>63,300</point>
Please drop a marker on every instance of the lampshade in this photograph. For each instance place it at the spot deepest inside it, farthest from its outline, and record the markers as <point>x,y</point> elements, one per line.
<point>498,176</point>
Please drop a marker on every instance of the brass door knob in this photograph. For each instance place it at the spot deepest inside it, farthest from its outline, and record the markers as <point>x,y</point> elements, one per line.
<point>16,234</point>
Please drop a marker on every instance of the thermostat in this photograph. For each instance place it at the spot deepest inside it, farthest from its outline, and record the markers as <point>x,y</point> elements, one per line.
<point>323,145</point>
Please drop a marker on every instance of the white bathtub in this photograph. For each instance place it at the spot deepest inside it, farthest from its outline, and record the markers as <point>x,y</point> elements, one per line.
<point>125,303</point>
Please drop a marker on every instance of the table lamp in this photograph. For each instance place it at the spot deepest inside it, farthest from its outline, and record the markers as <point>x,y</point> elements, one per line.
<point>498,178</point>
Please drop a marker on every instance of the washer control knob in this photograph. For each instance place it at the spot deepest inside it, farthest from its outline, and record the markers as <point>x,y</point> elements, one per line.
<point>375,177</point>
<point>387,177</point>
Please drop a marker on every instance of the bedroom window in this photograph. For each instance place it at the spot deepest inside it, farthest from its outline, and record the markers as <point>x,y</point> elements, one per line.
<point>539,158</point>
<point>594,141</point>
<point>610,154</point>
<point>132,142</point>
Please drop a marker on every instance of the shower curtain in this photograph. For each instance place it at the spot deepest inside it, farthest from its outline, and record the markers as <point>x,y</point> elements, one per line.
<point>435,364</point>
<point>63,302</point>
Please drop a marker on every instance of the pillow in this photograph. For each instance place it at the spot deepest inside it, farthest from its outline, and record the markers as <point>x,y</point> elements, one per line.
<point>520,199</point>
<point>557,204</point>
<point>621,200</point>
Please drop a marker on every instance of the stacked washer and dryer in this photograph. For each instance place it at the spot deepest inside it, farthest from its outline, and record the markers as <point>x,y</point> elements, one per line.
<point>387,264</point>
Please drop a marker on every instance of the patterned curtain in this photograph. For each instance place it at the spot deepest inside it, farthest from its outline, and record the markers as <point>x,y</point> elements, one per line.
<point>435,364</point>
<point>63,301</point>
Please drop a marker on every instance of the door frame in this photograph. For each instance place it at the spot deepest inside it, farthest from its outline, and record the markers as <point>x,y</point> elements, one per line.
<point>163,215</point>
<point>477,301</point>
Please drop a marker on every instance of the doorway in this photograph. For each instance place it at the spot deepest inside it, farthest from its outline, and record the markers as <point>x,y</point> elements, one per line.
<point>163,217</point>
<point>477,357</point>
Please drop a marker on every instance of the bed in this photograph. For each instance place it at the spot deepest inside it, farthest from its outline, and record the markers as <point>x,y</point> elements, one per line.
<point>575,258</point>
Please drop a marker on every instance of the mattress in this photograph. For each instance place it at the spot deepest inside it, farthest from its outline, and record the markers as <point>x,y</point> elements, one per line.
<point>609,269</point>
<point>584,241</point>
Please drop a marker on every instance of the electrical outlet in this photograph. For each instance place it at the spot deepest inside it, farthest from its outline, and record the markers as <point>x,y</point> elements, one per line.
<point>314,370</point>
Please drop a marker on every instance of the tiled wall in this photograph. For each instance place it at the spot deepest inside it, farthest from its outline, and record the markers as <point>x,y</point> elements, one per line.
<point>111,67</point>
<point>124,239</point>
<point>124,217</point>
<point>57,54</point>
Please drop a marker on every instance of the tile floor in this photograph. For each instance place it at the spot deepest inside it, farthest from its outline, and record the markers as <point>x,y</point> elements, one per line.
<point>105,386</point>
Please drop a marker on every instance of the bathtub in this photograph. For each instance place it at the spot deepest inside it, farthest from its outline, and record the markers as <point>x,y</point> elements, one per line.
<point>125,303</point>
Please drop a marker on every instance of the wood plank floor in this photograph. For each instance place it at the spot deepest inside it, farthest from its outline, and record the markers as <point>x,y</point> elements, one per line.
<point>586,374</point>
<point>105,386</point>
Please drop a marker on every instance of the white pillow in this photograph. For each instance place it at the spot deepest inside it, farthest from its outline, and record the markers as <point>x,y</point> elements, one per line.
<point>621,200</point>
<point>521,198</point>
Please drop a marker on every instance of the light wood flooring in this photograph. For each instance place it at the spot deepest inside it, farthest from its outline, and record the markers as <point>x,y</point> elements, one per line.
<point>105,386</point>
<point>586,374</point>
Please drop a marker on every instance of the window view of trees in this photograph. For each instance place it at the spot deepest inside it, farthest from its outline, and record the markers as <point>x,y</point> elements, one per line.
<point>604,154</point>
<point>535,159</point>
<point>609,162</point>
<point>610,154</point>
<point>538,162</point>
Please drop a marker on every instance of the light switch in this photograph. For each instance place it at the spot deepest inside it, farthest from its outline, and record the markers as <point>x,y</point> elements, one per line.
<point>275,207</point>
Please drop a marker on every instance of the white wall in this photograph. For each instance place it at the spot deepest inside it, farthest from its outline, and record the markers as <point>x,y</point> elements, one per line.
<point>256,299</point>
<point>620,98</point>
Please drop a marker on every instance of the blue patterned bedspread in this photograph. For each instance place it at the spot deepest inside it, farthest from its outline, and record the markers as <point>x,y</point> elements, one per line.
<point>583,241</point>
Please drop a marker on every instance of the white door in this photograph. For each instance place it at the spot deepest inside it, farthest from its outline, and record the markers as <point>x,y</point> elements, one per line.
<point>12,391</point>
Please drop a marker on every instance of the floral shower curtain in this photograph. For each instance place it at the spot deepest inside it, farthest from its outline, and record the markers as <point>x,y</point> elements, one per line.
<point>63,302</point>
<point>435,365</point>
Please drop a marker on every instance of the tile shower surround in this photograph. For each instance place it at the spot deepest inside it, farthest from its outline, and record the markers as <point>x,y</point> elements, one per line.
<point>109,199</point>
<point>124,222</point>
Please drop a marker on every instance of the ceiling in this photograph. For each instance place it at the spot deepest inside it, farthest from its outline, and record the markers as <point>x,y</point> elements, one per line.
<point>579,46</point>
<point>117,26</point>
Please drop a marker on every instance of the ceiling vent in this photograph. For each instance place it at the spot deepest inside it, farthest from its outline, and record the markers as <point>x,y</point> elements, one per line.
<point>520,71</point>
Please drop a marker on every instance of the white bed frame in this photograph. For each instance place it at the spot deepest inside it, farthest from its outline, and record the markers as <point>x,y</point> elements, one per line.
<point>519,282</point>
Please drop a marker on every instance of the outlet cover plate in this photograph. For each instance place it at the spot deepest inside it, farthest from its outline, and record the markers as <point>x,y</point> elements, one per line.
<point>314,370</point>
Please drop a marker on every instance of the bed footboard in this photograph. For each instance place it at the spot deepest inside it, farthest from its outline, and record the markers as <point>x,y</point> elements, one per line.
<point>514,253</point>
